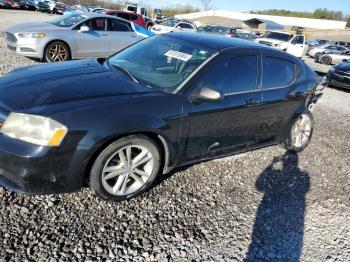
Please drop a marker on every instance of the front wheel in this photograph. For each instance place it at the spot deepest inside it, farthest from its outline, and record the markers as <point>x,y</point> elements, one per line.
<point>326,60</point>
<point>126,168</point>
<point>300,134</point>
<point>57,51</point>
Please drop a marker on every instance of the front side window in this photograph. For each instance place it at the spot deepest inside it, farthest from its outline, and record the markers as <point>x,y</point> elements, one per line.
<point>298,40</point>
<point>162,62</point>
<point>186,26</point>
<point>96,24</point>
<point>232,75</point>
<point>277,72</point>
<point>118,26</point>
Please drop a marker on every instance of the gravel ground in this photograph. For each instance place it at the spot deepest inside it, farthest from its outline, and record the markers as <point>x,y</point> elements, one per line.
<point>264,205</point>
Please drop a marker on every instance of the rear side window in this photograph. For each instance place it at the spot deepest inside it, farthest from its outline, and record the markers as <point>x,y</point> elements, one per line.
<point>233,75</point>
<point>118,26</point>
<point>277,72</point>
<point>186,26</point>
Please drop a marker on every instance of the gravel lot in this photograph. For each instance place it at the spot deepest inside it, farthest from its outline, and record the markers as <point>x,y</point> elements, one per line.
<point>264,205</point>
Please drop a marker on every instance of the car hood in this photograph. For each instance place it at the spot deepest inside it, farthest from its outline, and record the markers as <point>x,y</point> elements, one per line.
<point>63,86</point>
<point>345,67</point>
<point>31,27</point>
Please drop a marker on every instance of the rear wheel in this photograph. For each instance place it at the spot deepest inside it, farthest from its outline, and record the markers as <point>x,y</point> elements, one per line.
<point>327,60</point>
<point>126,168</point>
<point>300,134</point>
<point>57,51</point>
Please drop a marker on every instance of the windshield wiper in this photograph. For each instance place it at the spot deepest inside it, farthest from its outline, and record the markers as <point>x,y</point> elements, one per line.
<point>126,71</point>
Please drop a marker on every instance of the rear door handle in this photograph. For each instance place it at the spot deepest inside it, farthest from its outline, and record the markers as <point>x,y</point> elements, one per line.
<point>251,102</point>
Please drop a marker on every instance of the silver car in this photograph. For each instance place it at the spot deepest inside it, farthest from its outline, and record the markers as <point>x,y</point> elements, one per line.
<point>333,59</point>
<point>74,36</point>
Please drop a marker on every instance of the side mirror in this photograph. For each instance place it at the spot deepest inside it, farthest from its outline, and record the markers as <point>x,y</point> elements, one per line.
<point>84,29</point>
<point>206,94</point>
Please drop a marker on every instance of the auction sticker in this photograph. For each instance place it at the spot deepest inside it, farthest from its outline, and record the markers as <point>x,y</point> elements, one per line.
<point>178,55</point>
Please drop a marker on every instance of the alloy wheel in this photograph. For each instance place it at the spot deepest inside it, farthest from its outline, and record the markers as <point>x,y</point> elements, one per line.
<point>301,131</point>
<point>127,170</point>
<point>57,53</point>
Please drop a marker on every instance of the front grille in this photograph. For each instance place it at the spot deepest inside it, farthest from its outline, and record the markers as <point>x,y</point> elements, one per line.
<point>10,37</point>
<point>12,48</point>
<point>265,43</point>
<point>342,73</point>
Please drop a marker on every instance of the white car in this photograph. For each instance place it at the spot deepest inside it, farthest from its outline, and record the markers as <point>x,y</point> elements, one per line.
<point>324,48</point>
<point>295,45</point>
<point>173,26</point>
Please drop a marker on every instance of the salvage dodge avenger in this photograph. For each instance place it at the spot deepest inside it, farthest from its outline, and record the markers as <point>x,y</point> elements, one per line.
<point>116,124</point>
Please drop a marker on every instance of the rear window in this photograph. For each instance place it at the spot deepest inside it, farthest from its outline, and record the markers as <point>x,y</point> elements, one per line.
<point>277,72</point>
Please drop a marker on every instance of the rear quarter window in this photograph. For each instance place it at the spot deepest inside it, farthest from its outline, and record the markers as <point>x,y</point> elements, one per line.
<point>277,72</point>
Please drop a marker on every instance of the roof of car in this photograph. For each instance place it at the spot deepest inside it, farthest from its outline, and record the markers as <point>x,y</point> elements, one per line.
<point>215,42</point>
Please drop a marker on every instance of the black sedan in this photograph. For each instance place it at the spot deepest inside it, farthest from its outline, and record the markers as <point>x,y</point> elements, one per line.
<point>339,75</point>
<point>117,124</point>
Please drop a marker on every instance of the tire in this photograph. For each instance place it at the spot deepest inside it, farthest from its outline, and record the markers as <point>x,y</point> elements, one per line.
<point>149,27</point>
<point>290,142</point>
<point>327,60</point>
<point>57,51</point>
<point>113,179</point>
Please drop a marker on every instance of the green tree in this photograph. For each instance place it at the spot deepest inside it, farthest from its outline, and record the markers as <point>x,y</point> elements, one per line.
<point>348,22</point>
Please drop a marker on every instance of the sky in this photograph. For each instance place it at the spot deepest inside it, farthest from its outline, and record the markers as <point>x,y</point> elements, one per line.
<point>248,5</point>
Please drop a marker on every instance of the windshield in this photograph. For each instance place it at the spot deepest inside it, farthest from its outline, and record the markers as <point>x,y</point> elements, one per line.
<point>170,23</point>
<point>68,20</point>
<point>166,64</point>
<point>278,36</point>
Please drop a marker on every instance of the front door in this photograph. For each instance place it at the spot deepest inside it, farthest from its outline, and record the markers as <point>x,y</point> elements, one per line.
<point>297,46</point>
<point>95,42</point>
<point>220,127</point>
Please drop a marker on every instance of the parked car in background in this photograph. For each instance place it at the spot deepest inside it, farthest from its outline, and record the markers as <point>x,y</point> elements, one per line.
<point>319,55</point>
<point>339,75</point>
<point>133,17</point>
<point>244,36</point>
<point>295,45</point>
<point>173,26</point>
<point>274,39</point>
<point>46,6</point>
<point>60,8</point>
<point>12,4</point>
<point>335,58</point>
<point>324,48</point>
<point>74,36</point>
<point>214,29</point>
<point>4,4</point>
<point>166,102</point>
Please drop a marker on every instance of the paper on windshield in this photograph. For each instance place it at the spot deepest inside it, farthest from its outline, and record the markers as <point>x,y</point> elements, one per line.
<point>178,55</point>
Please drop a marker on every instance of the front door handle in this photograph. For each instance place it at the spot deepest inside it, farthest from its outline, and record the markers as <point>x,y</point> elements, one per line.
<point>251,101</point>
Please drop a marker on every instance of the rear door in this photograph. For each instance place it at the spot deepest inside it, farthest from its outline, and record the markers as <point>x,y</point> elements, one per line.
<point>278,80</point>
<point>297,46</point>
<point>121,35</point>
<point>95,42</point>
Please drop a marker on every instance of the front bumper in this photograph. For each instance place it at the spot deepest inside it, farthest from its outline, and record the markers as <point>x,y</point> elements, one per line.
<point>30,47</point>
<point>32,169</point>
<point>338,80</point>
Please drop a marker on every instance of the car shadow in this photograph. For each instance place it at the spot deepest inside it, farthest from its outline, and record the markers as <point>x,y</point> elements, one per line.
<point>279,223</point>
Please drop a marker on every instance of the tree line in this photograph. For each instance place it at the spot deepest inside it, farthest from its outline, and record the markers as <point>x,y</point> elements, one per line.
<point>320,13</point>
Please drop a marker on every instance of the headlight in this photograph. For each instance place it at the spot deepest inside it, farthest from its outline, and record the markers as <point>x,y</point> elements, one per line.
<point>31,35</point>
<point>33,129</point>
